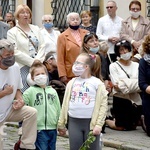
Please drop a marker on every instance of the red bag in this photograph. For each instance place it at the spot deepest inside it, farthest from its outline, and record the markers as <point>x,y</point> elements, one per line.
<point>17,145</point>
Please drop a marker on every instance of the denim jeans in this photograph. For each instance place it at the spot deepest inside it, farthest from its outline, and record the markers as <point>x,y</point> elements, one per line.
<point>46,140</point>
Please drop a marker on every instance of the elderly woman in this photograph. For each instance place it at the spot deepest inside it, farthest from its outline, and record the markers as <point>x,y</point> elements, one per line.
<point>68,46</point>
<point>50,35</point>
<point>126,99</point>
<point>135,27</point>
<point>29,44</point>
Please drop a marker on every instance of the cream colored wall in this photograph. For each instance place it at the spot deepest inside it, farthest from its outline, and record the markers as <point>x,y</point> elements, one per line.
<point>47,6</point>
<point>39,8</point>
<point>37,11</point>
<point>123,8</point>
<point>18,2</point>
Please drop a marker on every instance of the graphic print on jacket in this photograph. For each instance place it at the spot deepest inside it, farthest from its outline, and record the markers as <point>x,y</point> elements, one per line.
<point>40,99</point>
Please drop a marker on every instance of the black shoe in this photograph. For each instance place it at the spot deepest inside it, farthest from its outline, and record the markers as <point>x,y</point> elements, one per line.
<point>103,128</point>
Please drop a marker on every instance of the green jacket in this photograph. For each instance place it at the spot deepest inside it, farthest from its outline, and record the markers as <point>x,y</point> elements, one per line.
<point>47,103</point>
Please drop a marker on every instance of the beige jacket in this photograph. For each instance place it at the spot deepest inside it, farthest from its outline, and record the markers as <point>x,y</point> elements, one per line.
<point>142,29</point>
<point>15,35</point>
<point>128,89</point>
<point>100,109</point>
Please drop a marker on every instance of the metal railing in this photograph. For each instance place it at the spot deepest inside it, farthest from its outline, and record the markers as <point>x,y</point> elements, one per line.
<point>7,6</point>
<point>62,8</point>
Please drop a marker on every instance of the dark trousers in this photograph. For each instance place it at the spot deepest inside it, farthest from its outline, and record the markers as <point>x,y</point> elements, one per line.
<point>126,113</point>
<point>146,112</point>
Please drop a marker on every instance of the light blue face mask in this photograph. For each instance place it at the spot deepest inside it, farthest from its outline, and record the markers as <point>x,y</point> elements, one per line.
<point>94,50</point>
<point>48,25</point>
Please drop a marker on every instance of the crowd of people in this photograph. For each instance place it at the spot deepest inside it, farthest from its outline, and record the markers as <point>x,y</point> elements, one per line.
<point>52,82</point>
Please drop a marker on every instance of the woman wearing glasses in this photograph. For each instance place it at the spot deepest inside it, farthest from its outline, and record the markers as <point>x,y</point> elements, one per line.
<point>135,27</point>
<point>126,99</point>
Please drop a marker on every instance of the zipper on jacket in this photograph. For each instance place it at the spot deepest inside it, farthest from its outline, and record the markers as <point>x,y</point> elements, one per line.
<point>45,109</point>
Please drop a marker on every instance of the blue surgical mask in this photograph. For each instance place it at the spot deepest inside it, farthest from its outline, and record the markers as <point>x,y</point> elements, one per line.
<point>48,25</point>
<point>94,50</point>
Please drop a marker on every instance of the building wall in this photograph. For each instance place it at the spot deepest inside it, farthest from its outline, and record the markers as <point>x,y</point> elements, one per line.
<point>41,7</point>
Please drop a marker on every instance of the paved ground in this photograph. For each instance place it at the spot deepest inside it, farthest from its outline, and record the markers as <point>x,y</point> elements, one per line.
<point>121,140</point>
<point>112,140</point>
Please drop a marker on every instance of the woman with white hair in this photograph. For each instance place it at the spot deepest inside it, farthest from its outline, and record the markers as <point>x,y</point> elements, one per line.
<point>50,35</point>
<point>68,46</point>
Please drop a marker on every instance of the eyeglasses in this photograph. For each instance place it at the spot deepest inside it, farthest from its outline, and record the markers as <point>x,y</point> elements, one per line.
<point>121,42</point>
<point>109,7</point>
<point>51,57</point>
<point>78,63</point>
<point>2,47</point>
<point>135,9</point>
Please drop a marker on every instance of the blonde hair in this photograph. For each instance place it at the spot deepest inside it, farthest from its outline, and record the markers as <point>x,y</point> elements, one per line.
<point>36,64</point>
<point>94,63</point>
<point>84,12</point>
<point>20,8</point>
<point>103,46</point>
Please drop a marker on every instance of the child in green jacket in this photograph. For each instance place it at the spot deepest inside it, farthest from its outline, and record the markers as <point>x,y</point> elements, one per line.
<point>45,99</point>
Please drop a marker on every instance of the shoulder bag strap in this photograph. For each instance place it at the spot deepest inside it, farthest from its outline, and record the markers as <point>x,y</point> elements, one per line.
<point>27,37</point>
<point>123,70</point>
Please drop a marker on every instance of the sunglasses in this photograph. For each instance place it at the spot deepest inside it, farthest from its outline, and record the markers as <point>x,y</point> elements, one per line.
<point>121,42</point>
<point>109,7</point>
<point>133,9</point>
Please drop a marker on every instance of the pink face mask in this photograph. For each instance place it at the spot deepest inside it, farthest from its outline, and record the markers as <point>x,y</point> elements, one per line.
<point>78,70</point>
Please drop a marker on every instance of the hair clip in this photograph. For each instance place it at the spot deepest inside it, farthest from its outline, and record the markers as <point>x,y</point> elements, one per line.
<point>120,42</point>
<point>93,57</point>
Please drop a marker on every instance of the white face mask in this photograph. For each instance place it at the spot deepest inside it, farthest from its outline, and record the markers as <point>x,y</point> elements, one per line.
<point>78,70</point>
<point>135,14</point>
<point>40,79</point>
<point>94,50</point>
<point>126,56</point>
